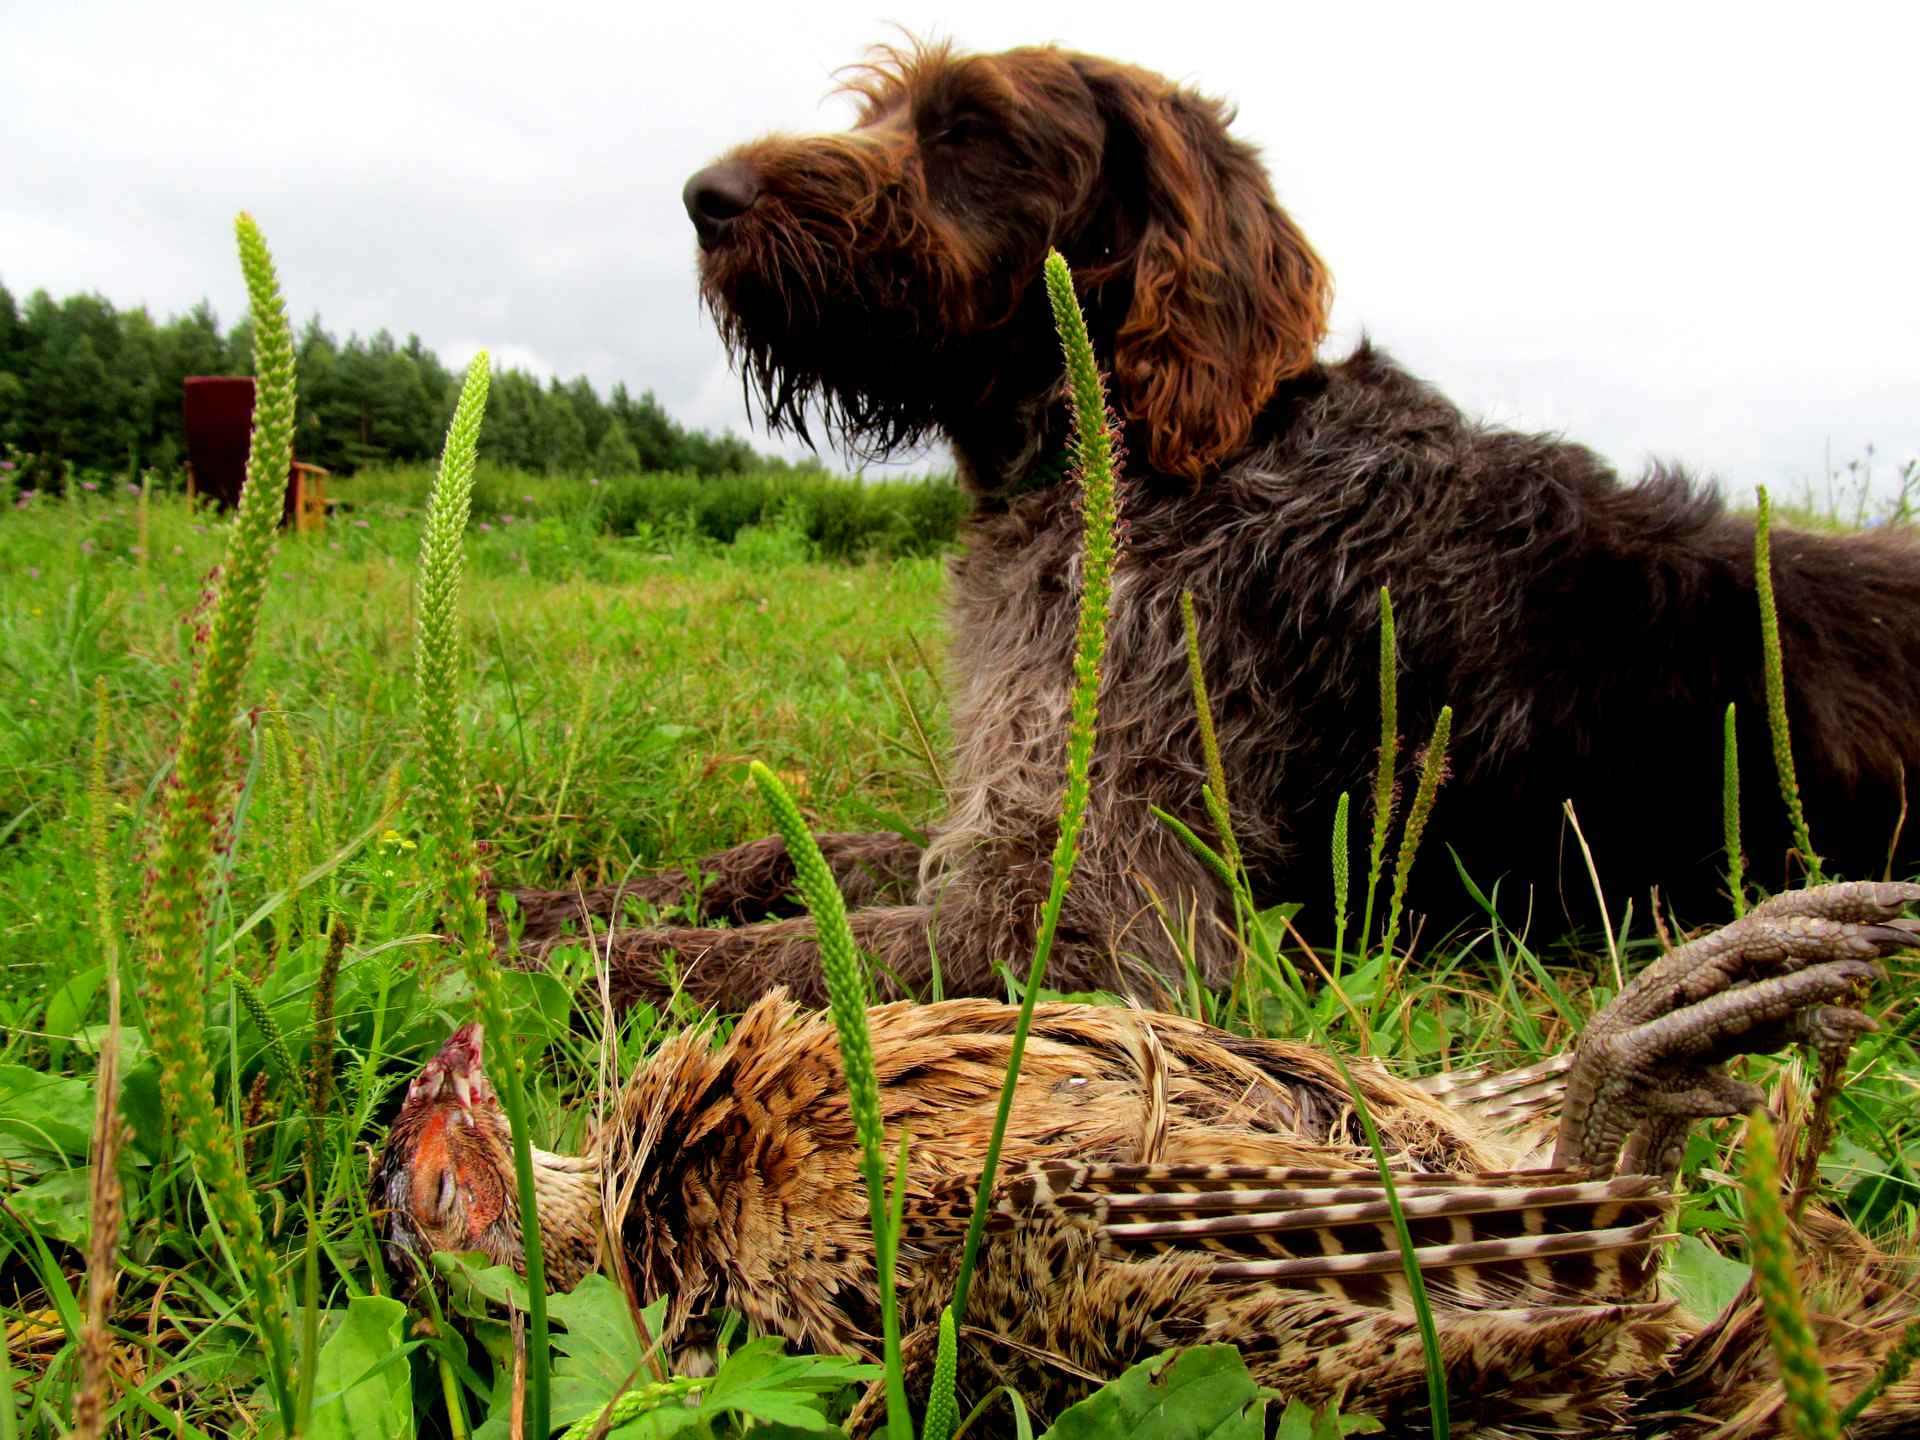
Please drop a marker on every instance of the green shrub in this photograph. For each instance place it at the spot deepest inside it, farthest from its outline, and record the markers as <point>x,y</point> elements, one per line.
<point>837,518</point>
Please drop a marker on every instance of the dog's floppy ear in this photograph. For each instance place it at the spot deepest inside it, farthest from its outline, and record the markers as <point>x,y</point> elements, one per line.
<point>1227,297</point>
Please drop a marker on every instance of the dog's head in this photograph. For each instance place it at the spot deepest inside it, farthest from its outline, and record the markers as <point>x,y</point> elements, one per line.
<point>890,273</point>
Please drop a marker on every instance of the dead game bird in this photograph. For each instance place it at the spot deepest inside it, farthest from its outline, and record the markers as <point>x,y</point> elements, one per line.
<point>1168,1183</point>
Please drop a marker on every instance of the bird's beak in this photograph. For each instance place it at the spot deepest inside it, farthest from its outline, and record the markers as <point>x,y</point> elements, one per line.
<point>456,1067</point>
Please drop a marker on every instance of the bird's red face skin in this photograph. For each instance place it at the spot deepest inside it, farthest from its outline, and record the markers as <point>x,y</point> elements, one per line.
<point>442,1181</point>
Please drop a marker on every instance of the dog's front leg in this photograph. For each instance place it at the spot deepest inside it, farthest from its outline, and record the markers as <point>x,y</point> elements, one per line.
<point>746,883</point>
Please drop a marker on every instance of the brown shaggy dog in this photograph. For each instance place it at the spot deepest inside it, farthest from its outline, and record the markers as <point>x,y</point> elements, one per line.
<point>1588,634</point>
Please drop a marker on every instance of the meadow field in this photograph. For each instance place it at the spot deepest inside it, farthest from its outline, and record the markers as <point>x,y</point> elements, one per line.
<point>622,674</point>
<point>619,688</point>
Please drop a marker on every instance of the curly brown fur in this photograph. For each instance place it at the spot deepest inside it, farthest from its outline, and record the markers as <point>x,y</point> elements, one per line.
<point>1589,634</point>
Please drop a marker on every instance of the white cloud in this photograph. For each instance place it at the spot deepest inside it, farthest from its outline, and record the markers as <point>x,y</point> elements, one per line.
<point>1684,230</point>
<point>459,354</point>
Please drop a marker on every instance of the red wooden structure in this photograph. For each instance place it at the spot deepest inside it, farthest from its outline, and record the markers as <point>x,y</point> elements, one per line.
<point>218,416</point>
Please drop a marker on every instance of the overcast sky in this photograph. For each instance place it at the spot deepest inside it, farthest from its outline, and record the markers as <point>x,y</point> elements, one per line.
<point>1679,230</point>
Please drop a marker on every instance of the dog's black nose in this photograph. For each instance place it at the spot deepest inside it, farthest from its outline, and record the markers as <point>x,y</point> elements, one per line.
<point>716,197</point>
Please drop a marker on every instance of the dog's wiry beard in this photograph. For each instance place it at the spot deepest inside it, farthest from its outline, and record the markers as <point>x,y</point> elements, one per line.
<point>852,320</point>
<point>820,370</point>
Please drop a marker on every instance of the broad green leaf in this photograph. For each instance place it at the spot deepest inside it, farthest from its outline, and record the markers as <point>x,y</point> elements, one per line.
<point>1203,1393</point>
<point>601,1350</point>
<point>363,1384</point>
<point>44,1116</point>
<point>67,1009</point>
<point>1701,1278</point>
<point>761,1381</point>
<point>1273,921</point>
<point>474,1286</point>
<point>140,1107</point>
<point>657,1424</point>
<point>57,1205</point>
<point>1297,1422</point>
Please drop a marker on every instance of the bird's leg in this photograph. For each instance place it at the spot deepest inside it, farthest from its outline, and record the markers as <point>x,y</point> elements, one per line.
<point>1651,1063</point>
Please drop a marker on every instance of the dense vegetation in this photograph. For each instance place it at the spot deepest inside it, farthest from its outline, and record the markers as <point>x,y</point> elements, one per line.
<point>832,517</point>
<point>83,384</point>
<point>616,692</point>
<point>606,680</point>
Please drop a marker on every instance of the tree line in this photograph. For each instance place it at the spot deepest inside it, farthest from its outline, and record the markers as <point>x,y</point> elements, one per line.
<point>83,384</point>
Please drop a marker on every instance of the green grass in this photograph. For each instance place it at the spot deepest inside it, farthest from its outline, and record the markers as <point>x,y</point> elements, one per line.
<point>837,518</point>
<point>619,690</point>
<point>683,665</point>
<point>619,684</point>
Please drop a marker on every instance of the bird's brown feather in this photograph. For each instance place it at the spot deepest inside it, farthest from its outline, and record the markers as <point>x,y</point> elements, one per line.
<point>1169,1183</point>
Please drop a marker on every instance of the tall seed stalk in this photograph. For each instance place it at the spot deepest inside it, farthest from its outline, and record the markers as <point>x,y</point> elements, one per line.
<point>1433,769</point>
<point>104,1197</point>
<point>1215,794</point>
<point>1384,768</point>
<point>845,982</point>
<point>847,1004</point>
<point>942,1412</point>
<point>191,818</point>
<point>1900,1359</point>
<point>290,786</point>
<point>1776,680</point>
<point>1770,1249</point>
<point>1341,882</point>
<point>1730,816</point>
<point>443,762</point>
<point>1099,509</point>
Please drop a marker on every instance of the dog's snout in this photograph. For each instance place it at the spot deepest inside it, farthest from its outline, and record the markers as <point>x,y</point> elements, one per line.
<point>716,197</point>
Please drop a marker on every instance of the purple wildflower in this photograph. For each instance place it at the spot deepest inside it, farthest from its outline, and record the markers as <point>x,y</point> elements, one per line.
<point>89,484</point>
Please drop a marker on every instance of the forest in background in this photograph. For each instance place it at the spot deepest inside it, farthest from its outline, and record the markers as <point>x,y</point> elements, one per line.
<point>85,385</point>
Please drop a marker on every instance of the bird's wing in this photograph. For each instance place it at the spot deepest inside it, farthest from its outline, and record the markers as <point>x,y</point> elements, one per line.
<point>1531,1238</point>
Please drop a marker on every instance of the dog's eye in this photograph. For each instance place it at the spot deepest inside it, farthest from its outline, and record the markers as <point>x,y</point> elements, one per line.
<point>957,131</point>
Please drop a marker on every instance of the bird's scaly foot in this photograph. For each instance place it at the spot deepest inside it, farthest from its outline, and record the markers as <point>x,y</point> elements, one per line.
<point>1790,970</point>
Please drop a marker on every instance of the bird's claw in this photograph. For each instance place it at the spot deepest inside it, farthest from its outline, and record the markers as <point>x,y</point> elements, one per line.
<point>1791,970</point>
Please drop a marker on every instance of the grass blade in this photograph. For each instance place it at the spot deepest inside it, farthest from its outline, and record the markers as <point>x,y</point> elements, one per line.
<point>1416,1282</point>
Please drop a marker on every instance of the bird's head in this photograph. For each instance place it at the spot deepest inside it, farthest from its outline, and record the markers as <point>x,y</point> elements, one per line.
<point>445,1179</point>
